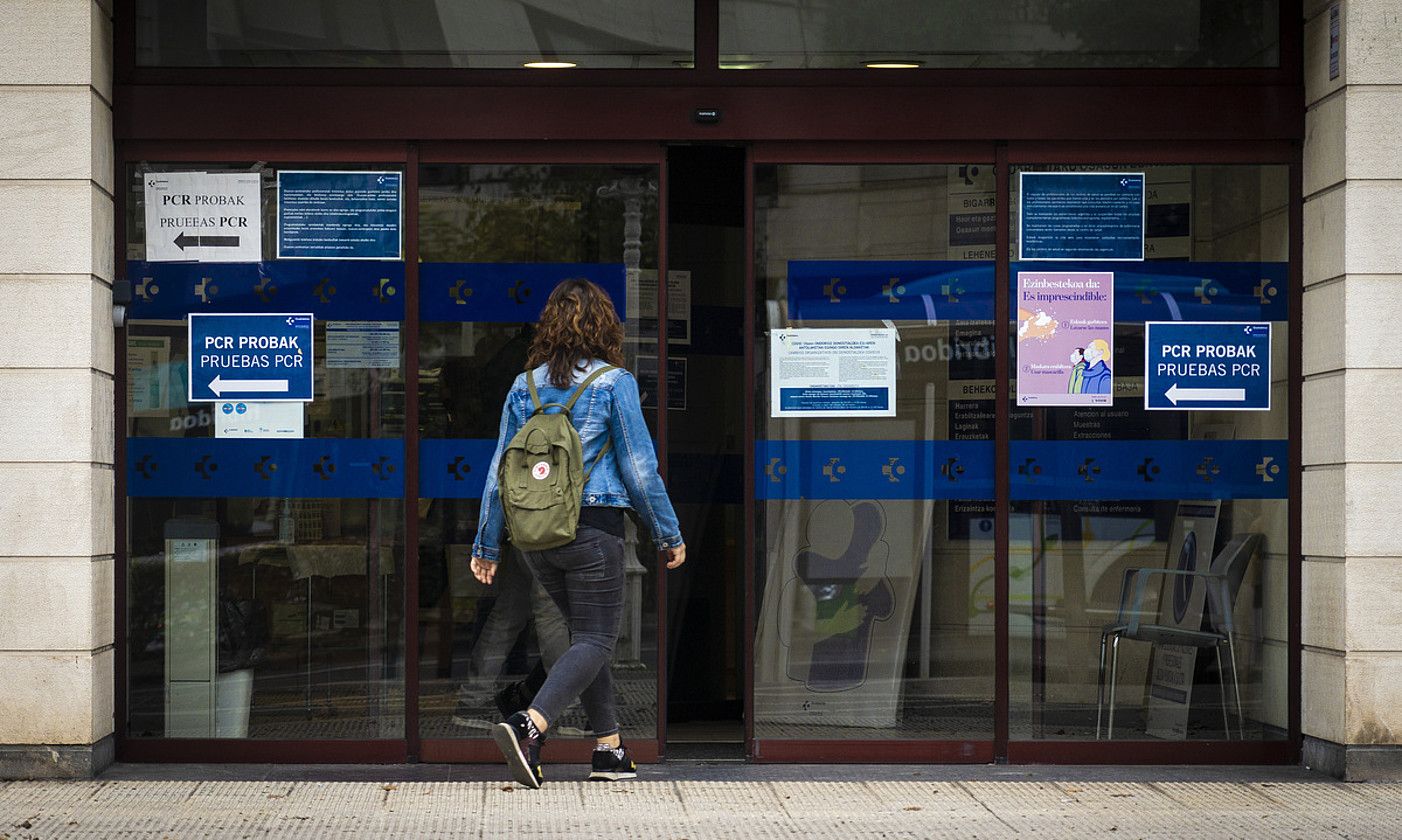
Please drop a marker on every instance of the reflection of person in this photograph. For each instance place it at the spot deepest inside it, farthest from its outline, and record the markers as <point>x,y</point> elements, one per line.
<point>1078,371</point>
<point>1097,374</point>
<point>519,599</point>
<point>579,332</point>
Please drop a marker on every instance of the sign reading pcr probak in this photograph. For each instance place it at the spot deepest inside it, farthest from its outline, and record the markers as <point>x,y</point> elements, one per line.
<point>1207,366</point>
<point>203,217</point>
<point>267,358</point>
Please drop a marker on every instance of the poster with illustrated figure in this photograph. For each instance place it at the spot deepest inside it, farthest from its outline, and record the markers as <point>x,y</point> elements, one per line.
<point>836,614</point>
<point>1065,338</point>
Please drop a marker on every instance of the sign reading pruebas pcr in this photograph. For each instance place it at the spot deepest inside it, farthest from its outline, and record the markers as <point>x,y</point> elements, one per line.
<point>250,357</point>
<point>1207,366</point>
<point>203,217</point>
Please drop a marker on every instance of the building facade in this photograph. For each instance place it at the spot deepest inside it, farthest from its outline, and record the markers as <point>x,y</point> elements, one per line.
<point>1023,396</point>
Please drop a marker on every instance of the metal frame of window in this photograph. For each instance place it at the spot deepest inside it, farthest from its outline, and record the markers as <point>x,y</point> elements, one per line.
<point>1009,116</point>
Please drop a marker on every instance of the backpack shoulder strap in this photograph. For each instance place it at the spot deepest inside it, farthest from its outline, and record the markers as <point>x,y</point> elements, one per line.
<point>588,380</point>
<point>530,386</point>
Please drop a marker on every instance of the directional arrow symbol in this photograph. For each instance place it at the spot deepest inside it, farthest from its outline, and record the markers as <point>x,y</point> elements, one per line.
<point>228,386</point>
<point>1174,394</point>
<point>185,240</point>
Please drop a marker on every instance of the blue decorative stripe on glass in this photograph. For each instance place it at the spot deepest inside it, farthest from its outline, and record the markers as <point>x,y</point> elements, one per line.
<point>349,290</point>
<point>454,468</point>
<point>506,292</point>
<point>1149,469</point>
<point>875,290</point>
<point>873,469</point>
<point>934,290</point>
<point>313,468</point>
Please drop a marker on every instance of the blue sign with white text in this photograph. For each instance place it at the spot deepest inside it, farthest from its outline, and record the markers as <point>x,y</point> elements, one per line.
<point>1081,216</point>
<point>339,215</point>
<point>1207,366</point>
<point>250,357</point>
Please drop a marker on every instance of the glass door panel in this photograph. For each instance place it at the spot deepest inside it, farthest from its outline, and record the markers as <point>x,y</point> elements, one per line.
<point>1148,568</point>
<point>494,241</point>
<point>874,452</point>
<point>265,540</point>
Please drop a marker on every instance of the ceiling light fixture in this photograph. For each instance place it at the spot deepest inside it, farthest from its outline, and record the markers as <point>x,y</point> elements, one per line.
<point>549,64</point>
<point>893,64</point>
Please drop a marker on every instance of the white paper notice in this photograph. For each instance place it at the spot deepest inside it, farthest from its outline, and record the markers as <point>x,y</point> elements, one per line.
<point>362,344</point>
<point>203,217</point>
<point>235,419</point>
<point>832,373</point>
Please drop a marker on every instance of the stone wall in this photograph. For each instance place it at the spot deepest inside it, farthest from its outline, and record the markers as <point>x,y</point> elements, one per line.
<point>1352,437</point>
<point>56,388</point>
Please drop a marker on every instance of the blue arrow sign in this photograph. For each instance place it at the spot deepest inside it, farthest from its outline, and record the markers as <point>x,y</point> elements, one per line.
<point>1207,366</point>
<point>250,357</point>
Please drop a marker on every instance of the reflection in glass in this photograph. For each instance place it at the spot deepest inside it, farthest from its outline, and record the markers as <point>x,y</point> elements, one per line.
<point>275,614</point>
<point>494,240</point>
<point>1028,33</point>
<point>413,33</point>
<point>875,559</point>
<point>1161,535</point>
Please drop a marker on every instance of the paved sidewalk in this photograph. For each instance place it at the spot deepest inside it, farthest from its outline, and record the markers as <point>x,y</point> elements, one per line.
<point>702,801</point>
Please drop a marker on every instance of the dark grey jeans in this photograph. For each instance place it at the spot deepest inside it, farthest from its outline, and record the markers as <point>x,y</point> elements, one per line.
<point>585,578</point>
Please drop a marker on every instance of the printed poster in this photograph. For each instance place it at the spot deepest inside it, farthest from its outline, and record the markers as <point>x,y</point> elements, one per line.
<point>832,373</point>
<point>839,598</point>
<point>338,215</point>
<point>362,344</point>
<point>1065,338</point>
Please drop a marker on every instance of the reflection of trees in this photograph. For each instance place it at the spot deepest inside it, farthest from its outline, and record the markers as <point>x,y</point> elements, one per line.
<point>526,213</point>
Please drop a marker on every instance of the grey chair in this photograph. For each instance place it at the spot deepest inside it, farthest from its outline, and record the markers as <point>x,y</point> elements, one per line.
<point>1223,581</point>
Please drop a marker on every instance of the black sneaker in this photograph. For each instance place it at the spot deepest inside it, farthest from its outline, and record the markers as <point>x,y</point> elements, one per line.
<point>612,765</point>
<point>520,742</point>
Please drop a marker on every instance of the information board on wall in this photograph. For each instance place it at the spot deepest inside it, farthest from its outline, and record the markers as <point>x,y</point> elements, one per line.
<point>642,306</point>
<point>362,344</point>
<point>832,373</point>
<point>148,375</point>
<point>1081,216</point>
<point>327,215</point>
<point>676,382</point>
<point>203,217</point>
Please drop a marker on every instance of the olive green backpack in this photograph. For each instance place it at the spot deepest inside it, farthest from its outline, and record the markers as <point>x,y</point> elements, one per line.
<point>542,474</point>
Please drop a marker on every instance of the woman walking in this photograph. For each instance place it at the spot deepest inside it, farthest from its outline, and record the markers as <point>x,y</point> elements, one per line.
<point>575,364</point>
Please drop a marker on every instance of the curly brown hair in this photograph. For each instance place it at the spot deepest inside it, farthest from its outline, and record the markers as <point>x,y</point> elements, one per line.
<point>578,324</point>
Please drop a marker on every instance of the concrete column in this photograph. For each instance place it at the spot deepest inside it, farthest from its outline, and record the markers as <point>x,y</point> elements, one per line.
<point>56,388</point>
<point>1352,436</point>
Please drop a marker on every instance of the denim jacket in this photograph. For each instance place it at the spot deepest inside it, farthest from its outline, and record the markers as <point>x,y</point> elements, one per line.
<point>625,477</point>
